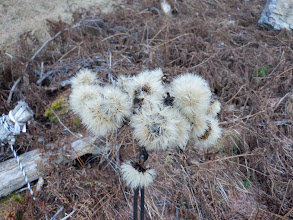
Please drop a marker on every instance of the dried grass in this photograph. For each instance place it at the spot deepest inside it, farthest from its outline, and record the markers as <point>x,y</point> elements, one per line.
<point>248,175</point>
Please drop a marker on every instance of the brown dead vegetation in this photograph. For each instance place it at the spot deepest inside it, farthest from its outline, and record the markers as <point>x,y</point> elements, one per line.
<point>248,175</point>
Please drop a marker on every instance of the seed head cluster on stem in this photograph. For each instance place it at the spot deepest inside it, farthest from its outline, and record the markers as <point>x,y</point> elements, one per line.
<point>163,114</point>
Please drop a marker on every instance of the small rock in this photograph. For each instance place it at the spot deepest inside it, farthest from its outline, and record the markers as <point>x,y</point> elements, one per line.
<point>40,184</point>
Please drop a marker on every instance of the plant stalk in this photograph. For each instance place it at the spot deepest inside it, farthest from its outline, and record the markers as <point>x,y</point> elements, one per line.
<point>142,203</point>
<point>135,200</point>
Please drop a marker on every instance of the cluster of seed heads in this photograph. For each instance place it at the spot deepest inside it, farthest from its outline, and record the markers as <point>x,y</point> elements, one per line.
<point>163,114</point>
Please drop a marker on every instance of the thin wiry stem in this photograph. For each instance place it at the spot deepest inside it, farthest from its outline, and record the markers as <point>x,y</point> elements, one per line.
<point>142,203</point>
<point>135,200</point>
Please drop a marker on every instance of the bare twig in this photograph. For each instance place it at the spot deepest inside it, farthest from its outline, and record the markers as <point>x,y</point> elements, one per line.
<point>43,77</point>
<point>271,213</point>
<point>57,213</point>
<point>69,215</point>
<point>13,58</point>
<point>236,93</point>
<point>281,100</point>
<point>12,90</point>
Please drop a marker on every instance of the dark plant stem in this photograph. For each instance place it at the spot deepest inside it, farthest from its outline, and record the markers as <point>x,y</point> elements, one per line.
<point>142,203</point>
<point>135,200</point>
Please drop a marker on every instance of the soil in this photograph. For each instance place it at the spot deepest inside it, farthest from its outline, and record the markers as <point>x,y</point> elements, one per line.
<point>248,174</point>
<point>17,17</point>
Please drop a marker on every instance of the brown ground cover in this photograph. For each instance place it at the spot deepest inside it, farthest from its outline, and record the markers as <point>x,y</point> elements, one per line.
<point>247,175</point>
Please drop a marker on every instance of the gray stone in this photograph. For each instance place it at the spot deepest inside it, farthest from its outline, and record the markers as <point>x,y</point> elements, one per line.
<point>277,14</point>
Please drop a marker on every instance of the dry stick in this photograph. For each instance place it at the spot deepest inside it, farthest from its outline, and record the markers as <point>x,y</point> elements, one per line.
<point>68,52</point>
<point>135,200</point>
<point>57,213</point>
<point>271,213</point>
<point>236,93</point>
<point>13,58</point>
<point>287,70</point>
<point>288,213</point>
<point>281,100</point>
<point>238,119</point>
<point>225,158</point>
<point>12,90</point>
<point>69,215</point>
<point>157,34</point>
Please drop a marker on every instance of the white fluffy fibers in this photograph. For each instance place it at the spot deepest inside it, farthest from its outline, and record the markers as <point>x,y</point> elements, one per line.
<point>80,95</point>
<point>214,108</point>
<point>192,94</point>
<point>146,83</point>
<point>211,136</point>
<point>123,82</point>
<point>155,128</point>
<point>116,104</point>
<point>106,111</point>
<point>200,124</point>
<point>184,128</point>
<point>134,178</point>
<point>95,120</point>
<point>84,77</point>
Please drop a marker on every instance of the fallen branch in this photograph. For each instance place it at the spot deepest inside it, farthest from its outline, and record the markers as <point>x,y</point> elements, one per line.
<point>33,163</point>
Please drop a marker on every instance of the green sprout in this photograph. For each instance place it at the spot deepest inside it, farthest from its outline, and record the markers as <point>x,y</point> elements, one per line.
<point>261,72</point>
<point>246,182</point>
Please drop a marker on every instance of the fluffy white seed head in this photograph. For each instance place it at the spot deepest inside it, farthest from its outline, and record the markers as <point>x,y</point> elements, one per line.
<point>134,178</point>
<point>142,102</point>
<point>106,111</point>
<point>116,104</point>
<point>184,129</point>
<point>214,108</point>
<point>156,128</point>
<point>95,120</point>
<point>147,83</point>
<point>199,124</point>
<point>192,94</point>
<point>80,95</point>
<point>84,77</point>
<point>211,136</point>
<point>156,74</point>
<point>123,82</point>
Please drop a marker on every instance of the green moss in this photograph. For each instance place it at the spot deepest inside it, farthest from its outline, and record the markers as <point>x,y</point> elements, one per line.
<point>6,202</point>
<point>261,72</point>
<point>60,107</point>
<point>13,197</point>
